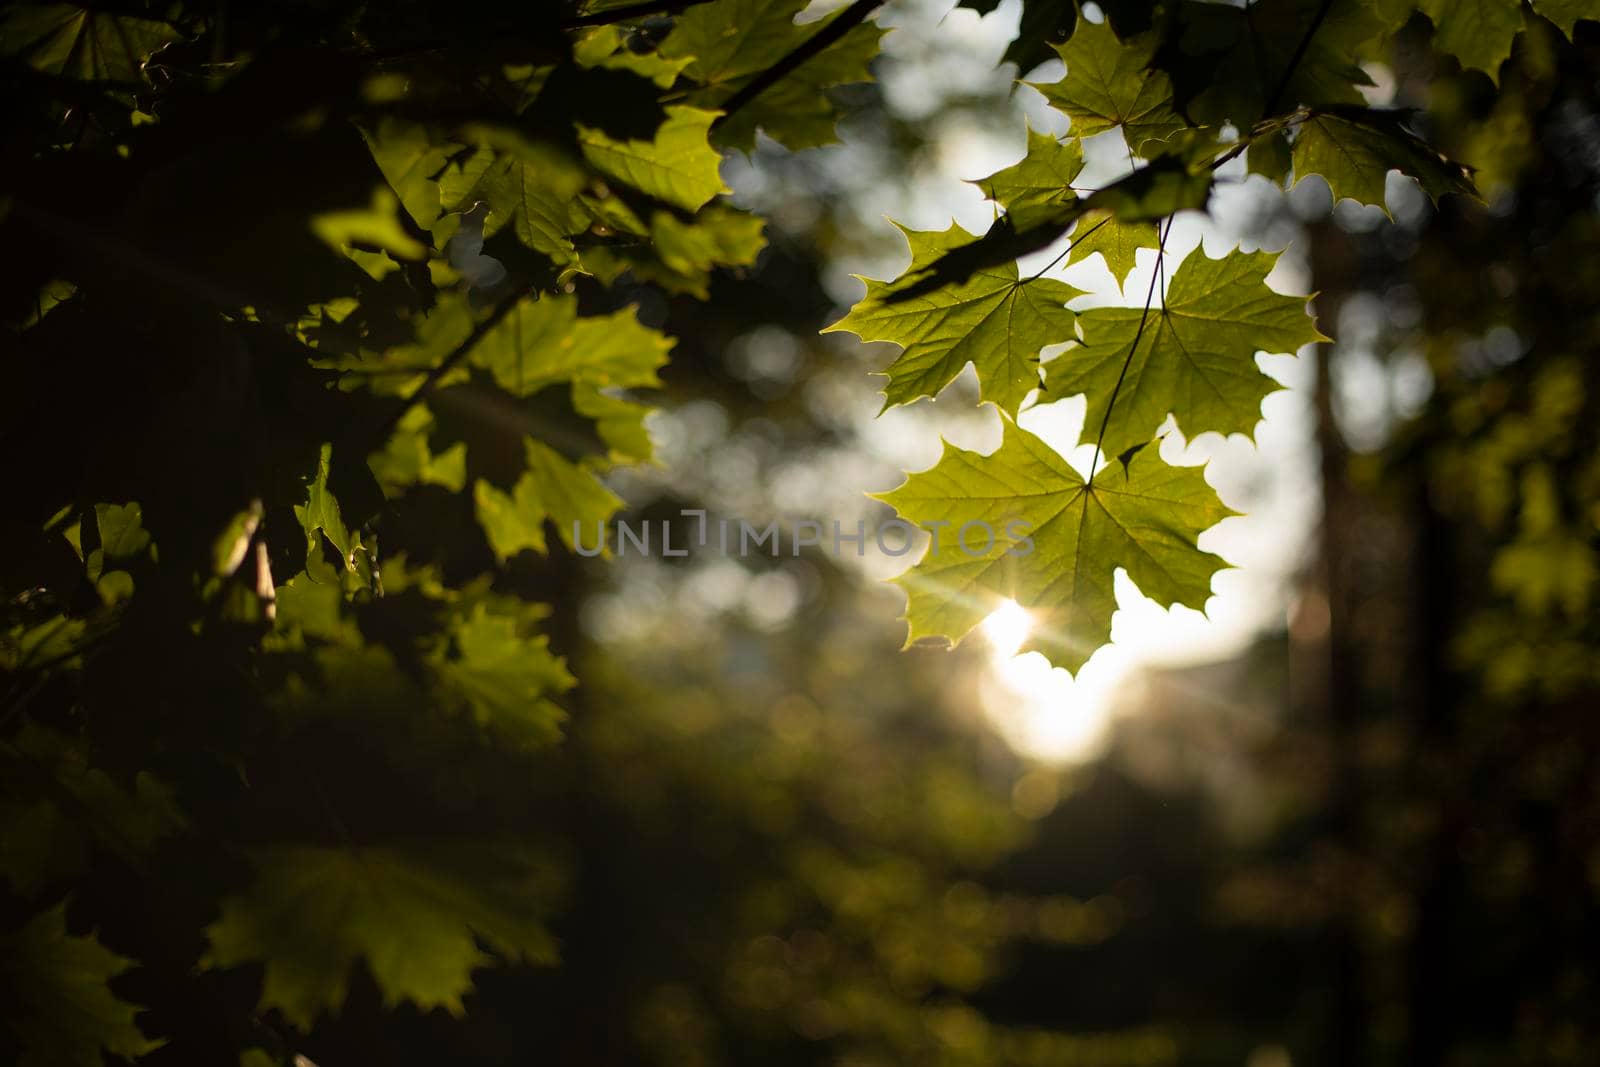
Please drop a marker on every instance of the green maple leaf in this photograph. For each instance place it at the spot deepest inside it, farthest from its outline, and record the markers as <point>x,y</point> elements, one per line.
<point>620,423</point>
<point>407,458</point>
<point>729,43</point>
<point>414,915</point>
<point>1355,150</point>
<point>543,342</point>
<point>994,320</point>
<point>1116,241</point>
<point>320,513</point>
<point>678,166</point>
<point>607,46</point>
<point>1144,517</point>
<point>537,197</point>
<point>75,42</point>
<point>679,255</point>
<point>410,161</point>
<point>56,1000</point>
<point>1111,83</point>
<point>1477,32</point>
<point>552,488</point>
<point>1195,357</point>
<point>1262,58</point>
<point>1566,13</point>
<point>1041,179</point>
<point>506,679</point>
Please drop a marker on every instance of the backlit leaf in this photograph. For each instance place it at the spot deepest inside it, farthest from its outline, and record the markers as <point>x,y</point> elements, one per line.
<point>1195,358</point>
<point>994,320</point>
<point>679,166</point>
<point>1110,84</point>
<point>1144,518</point>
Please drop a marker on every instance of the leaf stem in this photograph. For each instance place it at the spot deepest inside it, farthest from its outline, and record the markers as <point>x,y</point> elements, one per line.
<point>1084,236</point>
<point>1144,317</point>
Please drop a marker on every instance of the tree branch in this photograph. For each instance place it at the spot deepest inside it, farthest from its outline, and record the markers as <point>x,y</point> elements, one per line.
<point>1299,54</point>
<point>629,12</point>
<point>449,363</point>
<point>846,21</point>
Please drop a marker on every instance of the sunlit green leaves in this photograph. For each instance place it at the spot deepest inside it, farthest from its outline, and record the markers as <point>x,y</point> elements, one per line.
<point>76,42</point>
<point>56,1003</point>
<point>725,45</point>
<point>1056,541</point>
<point>996,320</point>
<point>679,166</point>
<point>1110,84</point>
<point>320,514</point>
<point>535,192</point>
<point>542,342</point>
<point>414,915</point>
<point>552,488</point>
<point>506,678</point>
<point>378,225</point>
<point>1194,357</point>
<point>411,162</point>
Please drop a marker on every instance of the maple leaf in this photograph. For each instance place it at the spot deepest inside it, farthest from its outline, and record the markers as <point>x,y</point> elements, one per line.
<point>506,679</point>
<point>75,42</point>
<point>551,488</point>
<point>1252,63</point>
<point>1057,541</point>
<point>56,1000</point>
<point>1477,32</point>
<point>1354,150</point>
<point>994,319</point>
<point>727,44</point>
<point>1111,83</point>
<point>542,342</point>
<point>1042,179</point>
<point>1566,13</point>
<point>415,915</point>
<point>1195,357</point>
<point>1116,241</point>
<point>677,166</point>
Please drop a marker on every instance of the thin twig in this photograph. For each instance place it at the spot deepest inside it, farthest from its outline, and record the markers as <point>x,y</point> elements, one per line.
<point>1082,237</point>
<point>1144,317</point>
<point>843,23</point>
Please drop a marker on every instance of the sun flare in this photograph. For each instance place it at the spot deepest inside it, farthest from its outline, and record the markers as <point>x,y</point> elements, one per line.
<point>1006,628</point>
<point>1046,712</point>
